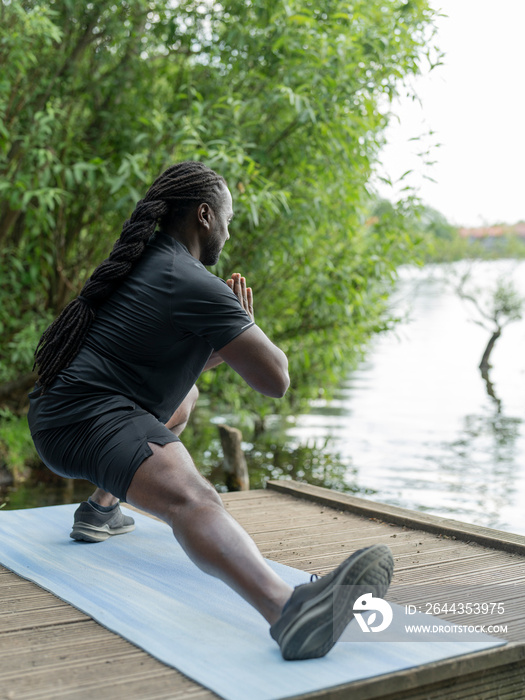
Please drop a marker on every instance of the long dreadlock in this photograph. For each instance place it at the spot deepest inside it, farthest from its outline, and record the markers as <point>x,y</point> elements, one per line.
<point>178,188</point>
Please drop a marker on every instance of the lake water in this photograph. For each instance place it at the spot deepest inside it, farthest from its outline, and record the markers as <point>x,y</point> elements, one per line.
<point>416,423</point>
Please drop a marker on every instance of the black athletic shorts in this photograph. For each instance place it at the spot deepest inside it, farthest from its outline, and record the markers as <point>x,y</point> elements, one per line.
<point>106,450</point>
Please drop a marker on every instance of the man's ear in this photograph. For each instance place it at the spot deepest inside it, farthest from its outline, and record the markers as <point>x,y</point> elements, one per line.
<point>204,215</point>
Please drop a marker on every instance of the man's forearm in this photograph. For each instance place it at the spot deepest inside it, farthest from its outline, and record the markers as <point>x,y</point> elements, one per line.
<point>214,360</point>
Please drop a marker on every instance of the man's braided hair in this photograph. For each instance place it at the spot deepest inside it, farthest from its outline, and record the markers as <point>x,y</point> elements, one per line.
<point>171,195</point>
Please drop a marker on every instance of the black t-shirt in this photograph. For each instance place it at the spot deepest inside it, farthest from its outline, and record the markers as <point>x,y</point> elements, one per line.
<point>149,341</point>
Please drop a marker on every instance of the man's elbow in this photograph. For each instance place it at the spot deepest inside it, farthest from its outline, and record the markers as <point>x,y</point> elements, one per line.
<point>281,378</point>
<point>280,385</point>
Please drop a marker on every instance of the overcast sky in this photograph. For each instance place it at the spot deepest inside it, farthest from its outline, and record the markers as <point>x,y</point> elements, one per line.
<point>475,105</point>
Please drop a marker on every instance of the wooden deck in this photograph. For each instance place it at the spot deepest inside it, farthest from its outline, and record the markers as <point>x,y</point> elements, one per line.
<point>48,649</point>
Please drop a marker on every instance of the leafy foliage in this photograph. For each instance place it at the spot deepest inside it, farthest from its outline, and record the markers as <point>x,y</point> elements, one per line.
<point>288,100</point>
<point>494,308</point>
<point>17,451</point>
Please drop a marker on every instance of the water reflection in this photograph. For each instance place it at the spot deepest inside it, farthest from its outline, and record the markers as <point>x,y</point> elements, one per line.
<point>479,468</point>
<point>43,488</point>
<point>475,473</point>
<point>418,423</point>
<point>485,457</point>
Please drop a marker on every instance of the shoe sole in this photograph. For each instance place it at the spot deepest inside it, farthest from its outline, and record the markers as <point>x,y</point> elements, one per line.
<point>324,618</point>
<point>87,533</point>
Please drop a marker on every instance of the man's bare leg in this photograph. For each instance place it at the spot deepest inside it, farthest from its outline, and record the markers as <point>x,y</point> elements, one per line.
<point>103,498</point>
<point>168,485</point>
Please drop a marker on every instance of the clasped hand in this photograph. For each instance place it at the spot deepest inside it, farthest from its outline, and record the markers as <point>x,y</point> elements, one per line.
<point>244,294</point>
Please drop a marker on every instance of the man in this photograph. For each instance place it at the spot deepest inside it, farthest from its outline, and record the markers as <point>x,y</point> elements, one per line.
<point>116,385</point>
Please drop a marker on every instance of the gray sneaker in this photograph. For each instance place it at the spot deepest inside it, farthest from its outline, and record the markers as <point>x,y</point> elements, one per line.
<point>91,525</point>
<point>318,612</point>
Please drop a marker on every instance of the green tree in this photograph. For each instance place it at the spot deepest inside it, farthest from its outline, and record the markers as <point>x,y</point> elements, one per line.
<point>288,100</point>
<point>494,309</point>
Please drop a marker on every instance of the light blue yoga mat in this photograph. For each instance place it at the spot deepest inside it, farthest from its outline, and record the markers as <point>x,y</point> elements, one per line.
<point>144,588</point>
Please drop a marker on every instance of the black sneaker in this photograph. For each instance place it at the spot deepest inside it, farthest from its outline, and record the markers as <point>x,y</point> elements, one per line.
<point>93,526</point>
<point>318,612</point>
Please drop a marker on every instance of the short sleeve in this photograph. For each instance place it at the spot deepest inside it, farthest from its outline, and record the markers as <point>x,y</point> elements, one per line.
<point>206,307</point>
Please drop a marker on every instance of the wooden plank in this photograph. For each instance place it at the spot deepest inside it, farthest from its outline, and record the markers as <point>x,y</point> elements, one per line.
<point>41,618</point>
<point>159,687</point>
<point>496,539</point>
<point>407,558</point>
<point>60,642</point>
<point>8,578</point>
<point>46,655</point>
<point>85,676</point>
<point>421,682</point>
<point>350,532</point>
